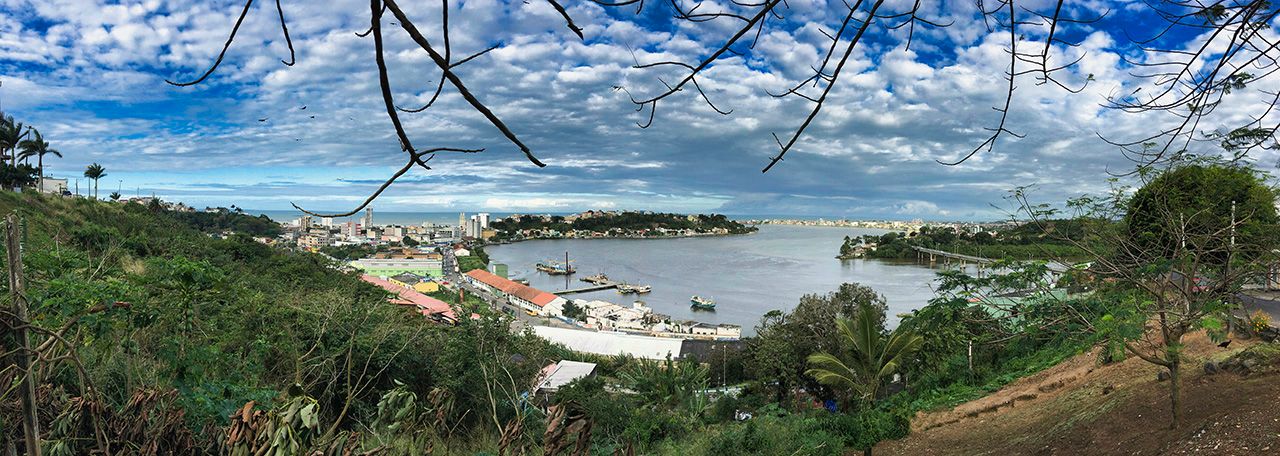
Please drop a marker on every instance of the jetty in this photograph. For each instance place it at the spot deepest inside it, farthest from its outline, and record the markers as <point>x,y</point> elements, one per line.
<point>595,286</point>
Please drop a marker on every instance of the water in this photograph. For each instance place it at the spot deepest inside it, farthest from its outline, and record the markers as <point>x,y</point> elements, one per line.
<point>747,275</point>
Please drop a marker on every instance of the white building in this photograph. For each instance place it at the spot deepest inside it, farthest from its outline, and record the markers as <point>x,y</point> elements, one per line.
<point>54,186</point>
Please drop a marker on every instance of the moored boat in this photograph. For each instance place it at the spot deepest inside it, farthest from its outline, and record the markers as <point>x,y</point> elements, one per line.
<point>556,268</point>
<point>699,302</point>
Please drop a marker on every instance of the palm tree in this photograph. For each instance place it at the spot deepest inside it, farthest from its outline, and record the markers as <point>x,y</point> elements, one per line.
<point>38,147</point>
<point>11,134</point>
<point>95,172</point>
<point>875,356</point>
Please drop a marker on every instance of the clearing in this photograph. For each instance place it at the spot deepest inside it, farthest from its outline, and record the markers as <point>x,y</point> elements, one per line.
<point>1083,407</point>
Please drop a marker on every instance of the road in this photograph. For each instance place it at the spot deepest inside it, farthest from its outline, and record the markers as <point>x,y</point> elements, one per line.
<point>521,319</point>
<point>1266,301</point>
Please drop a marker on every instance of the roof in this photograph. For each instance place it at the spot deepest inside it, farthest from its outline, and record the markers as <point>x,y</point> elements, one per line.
<point>407,278</point>
<point>537,297</point>
<point>563,373</point>
<point>611,343</point>
<point>405,296</point>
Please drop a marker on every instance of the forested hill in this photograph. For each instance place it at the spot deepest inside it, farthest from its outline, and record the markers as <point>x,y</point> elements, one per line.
<point>157,319</point>
<point>1024,242</point>
<point>614,223</point>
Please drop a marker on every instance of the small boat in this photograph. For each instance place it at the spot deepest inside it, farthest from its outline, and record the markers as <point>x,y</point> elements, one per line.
<point>699,302</point>
<point>596,278</point>
<point>642,289</point>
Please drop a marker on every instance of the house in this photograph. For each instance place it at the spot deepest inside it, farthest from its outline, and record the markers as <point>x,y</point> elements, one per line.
<point>54,186</point>
<point>426,286</point>
<point>554,376</point>
<point>429,307</point>
<point>461,252</point>
<point>407,280</point>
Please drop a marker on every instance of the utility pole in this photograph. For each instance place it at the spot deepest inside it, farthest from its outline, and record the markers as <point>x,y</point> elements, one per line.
<point>18,324</point>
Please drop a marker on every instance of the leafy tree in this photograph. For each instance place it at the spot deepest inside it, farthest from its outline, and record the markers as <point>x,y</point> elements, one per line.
<point>572,310</point>
<point>95,172</point>
<point>12,133</point>
<point>408,242</point>
<point>874,356</point>
<point>12,176</point>
<point>37,147</point>
<point>1203,199</point>
<point>115,196</point>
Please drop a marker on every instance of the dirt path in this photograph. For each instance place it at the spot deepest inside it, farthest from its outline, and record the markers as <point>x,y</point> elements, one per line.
<point>1080,407</point>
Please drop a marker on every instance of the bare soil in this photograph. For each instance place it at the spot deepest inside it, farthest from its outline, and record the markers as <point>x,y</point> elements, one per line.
<point>1081,407</point>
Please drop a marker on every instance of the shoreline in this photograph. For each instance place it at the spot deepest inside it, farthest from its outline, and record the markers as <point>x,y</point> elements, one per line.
<point>637,238</point>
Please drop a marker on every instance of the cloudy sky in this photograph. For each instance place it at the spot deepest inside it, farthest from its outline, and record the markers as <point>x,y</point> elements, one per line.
<point>90,75</point>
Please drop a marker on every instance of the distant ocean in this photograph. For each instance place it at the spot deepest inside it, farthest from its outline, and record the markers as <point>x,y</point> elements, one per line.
<point>451,218</point>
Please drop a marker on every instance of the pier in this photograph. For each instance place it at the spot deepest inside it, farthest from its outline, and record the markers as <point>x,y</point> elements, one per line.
<point>595,286</point>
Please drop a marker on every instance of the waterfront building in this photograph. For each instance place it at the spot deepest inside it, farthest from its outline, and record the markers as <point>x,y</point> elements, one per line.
<point>523,296</point>
<point>389,267</point>
<point>368,217</point>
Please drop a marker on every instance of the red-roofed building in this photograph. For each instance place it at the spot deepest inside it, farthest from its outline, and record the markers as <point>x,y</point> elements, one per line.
<point>428,306</point>
<point>520,295</point>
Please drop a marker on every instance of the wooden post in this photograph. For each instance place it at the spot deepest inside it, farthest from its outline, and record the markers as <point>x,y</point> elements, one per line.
<point>970,356</point>
<point>13,245</point>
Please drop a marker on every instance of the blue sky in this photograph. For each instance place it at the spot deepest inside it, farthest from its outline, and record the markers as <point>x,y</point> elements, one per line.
<point>89,74</point>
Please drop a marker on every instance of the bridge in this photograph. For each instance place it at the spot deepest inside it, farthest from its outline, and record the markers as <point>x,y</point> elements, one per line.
<point>1053,266</point>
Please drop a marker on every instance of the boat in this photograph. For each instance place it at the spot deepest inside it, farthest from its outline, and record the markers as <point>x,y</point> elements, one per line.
<point>699,302</point>
<point>626,288</point>
<point>596,278</point>
<point>556,268</point>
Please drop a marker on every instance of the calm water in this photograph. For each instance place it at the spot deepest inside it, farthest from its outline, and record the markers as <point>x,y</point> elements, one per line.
<point>746,275</point>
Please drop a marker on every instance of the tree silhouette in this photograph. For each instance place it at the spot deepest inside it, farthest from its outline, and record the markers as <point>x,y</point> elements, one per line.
<point>95,172</point>
<point>38,147</point>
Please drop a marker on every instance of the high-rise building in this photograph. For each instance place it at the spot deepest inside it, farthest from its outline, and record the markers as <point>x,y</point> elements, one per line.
<point>304,222</point>
<point>351,230</point>
<point>368,217</point>
<point>326,221</point>
<point>484,219</point>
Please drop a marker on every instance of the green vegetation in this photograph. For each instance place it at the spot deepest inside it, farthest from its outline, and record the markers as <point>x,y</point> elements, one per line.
<point>1024,242</point>
<point>478,259</point>
<point>225,342</point>
<point>628,224</point>
<point>222,220</point>
<point>95,172</point>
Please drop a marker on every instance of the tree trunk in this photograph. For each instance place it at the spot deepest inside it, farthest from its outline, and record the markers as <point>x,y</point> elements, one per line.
<point>1175,401</point>
<point>22,358</point>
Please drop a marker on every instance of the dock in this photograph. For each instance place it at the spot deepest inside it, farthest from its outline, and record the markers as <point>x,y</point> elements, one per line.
<point>595,286</point>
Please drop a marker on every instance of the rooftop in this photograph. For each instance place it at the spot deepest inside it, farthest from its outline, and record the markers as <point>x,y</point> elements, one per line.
<point>563,373</point>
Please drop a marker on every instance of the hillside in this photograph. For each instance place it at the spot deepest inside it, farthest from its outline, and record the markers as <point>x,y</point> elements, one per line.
<point>1082,407</point>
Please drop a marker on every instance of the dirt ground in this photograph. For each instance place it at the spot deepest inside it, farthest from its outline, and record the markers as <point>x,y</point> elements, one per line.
<point>1080,407</point>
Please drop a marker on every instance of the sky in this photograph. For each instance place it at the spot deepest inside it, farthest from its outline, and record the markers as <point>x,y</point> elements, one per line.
<point>89,74</point>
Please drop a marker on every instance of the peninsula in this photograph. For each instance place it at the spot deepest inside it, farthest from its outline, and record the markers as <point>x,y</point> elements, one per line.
<point>614,224</point>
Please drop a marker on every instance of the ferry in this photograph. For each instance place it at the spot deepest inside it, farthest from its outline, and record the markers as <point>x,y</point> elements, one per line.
<point>699,302</point>
<point>556,268</point>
